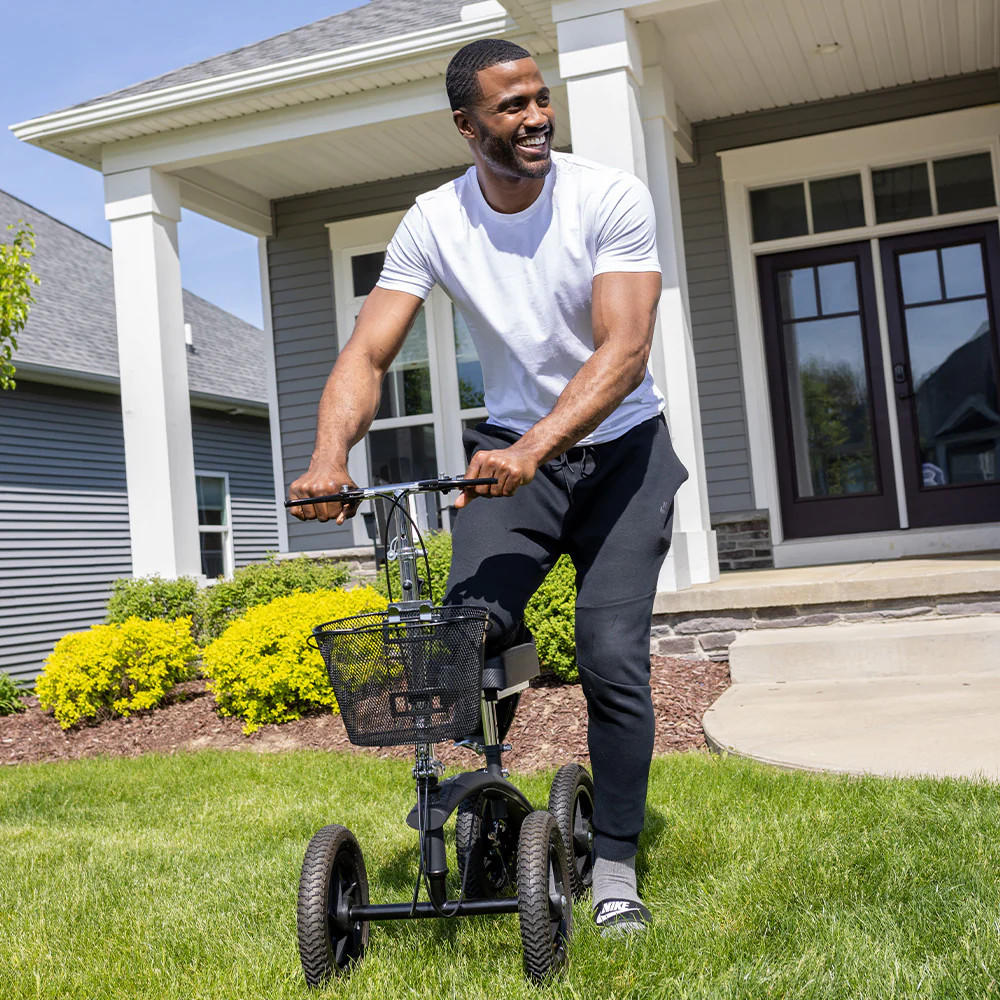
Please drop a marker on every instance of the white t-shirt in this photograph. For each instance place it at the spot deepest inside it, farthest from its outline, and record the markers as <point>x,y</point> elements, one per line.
<point>523,282</point>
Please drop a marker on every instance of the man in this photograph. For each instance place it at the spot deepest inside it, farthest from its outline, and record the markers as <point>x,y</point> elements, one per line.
<point>552,262</point>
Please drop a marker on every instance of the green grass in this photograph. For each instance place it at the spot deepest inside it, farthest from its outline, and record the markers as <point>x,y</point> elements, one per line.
<point>175,877</point>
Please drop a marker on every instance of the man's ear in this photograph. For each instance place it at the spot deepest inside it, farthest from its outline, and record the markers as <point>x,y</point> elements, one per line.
<point>464,124</point>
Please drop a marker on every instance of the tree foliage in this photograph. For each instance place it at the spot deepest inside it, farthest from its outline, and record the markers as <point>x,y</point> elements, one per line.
<point>16,279</point>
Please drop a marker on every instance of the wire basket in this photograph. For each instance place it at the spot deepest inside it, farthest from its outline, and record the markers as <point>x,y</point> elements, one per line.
<point>406,675</point>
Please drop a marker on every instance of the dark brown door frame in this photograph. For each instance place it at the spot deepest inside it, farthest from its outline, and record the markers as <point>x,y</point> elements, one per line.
<point>813,517</point>
<point>969,503</point>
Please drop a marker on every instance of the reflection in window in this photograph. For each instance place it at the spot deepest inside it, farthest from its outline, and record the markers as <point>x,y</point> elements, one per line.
<point>213,527</point>
<point>404,454</point>
<point>779,212</point>
<point>365,271</point>
<point>901,193</point>
<point>470,372</point>
<point>406,388</point>
<point>952,366</point>
<point>964,182</point>
<point>837,203</point>
<point>826,374</point>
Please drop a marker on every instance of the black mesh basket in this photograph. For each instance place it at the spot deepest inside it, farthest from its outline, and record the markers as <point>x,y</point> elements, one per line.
<point>406,676</point>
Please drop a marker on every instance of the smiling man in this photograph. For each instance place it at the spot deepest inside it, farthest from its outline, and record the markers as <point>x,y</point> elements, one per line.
<point>552,261</point>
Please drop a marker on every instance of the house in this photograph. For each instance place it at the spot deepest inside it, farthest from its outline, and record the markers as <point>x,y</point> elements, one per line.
<point>825,175</point>
<point>64,498</point>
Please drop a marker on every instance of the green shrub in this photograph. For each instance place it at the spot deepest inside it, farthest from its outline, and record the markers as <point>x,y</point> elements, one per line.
<point>550,615</point>
<point>438,555</point>
<point>262,668</point>
<point>259,583</point>
<point>10,695</point>
<point>151,597</point>
<point>115,669</point>
<point>551,618</point>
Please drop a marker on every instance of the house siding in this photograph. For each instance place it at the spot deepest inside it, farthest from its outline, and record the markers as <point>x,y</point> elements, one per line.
<point>709,275</point>
<point>64,509</point>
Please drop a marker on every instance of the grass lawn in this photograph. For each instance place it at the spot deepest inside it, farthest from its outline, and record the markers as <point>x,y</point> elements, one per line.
<point>176,877</point>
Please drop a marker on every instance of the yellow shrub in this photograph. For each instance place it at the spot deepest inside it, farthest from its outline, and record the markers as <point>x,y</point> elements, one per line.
<point>263,669</point>
<point>116,669</point>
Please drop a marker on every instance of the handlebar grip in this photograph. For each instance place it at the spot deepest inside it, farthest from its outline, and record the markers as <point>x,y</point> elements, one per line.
<point>442,485</point>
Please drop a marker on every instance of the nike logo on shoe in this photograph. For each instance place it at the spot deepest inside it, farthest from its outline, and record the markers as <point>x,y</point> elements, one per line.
<point>621,916</point>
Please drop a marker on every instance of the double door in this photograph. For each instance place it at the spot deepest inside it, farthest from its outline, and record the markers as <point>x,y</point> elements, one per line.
<point>832,385</point>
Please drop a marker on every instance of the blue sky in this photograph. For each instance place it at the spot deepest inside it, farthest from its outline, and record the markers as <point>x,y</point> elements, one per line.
<point>58,53</point>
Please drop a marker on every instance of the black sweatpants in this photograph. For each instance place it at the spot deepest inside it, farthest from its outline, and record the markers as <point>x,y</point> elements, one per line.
<point>610,507</point>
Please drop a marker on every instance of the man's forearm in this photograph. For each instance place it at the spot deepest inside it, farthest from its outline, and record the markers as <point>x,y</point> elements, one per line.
<point>347,407</point>
<point>594,392</point>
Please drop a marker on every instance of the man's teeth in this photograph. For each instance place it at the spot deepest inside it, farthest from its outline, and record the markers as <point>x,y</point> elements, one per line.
<point>536,140</point>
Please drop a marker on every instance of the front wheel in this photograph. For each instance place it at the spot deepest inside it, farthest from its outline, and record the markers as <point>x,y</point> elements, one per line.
<point>544,897</point>
<point>571,801</point>
<point>333,879</point>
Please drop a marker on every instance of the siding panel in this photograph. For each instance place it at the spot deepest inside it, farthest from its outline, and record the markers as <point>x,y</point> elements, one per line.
<point>64,509</point>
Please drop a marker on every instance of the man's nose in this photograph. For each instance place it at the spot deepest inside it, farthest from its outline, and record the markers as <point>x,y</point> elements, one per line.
<point>535,117</point>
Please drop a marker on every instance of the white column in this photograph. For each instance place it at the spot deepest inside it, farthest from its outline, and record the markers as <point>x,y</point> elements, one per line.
<point>143,207</point>
<point>600,60</point>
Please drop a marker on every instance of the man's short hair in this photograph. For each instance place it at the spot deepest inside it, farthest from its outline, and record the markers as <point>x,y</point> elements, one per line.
<point>460,79</point>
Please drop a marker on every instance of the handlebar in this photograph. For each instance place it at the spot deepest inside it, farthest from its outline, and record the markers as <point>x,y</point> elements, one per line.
<point>443,484</point>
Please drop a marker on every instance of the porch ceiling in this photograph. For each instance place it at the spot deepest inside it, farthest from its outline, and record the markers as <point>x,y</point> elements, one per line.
<point>728,57</point>
<point>380,151</point>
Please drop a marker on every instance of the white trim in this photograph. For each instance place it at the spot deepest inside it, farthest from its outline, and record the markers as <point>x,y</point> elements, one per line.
<point>271,75</point>
<point>225,529</point>
<point>887,545</point>
<point>798,160</point>
<point>273,411</point>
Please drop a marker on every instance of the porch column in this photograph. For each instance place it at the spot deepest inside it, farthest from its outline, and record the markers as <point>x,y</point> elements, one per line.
<point>600,60</point>
<point>143,207</point>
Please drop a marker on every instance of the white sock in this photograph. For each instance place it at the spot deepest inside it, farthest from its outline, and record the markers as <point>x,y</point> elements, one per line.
<point>614,880</point>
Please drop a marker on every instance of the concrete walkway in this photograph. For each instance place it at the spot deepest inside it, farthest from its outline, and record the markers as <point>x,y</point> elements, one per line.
<point>913,698</point>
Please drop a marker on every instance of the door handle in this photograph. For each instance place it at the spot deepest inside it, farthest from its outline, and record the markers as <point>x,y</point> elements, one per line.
<point>901,377</point>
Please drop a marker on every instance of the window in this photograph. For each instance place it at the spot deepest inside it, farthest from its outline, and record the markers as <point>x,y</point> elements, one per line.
<point>433,388</point>
<point>213,524</point>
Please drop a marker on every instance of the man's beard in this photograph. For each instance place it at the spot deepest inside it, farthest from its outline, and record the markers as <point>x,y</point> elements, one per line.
<point>502,155</point>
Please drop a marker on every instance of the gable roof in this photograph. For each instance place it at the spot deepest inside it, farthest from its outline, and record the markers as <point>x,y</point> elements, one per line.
<point>375,20</point>
<point>72,327</point>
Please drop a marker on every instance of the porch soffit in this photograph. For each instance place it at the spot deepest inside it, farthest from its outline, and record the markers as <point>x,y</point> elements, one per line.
<point>730,57</point>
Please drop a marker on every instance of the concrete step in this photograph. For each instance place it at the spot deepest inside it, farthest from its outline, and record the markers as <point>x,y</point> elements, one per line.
<point>915,647</point>
<point>893,726</point>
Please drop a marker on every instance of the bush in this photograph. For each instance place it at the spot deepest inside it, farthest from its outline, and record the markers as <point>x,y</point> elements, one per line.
<point>551,618</point>
<point>10,695</point>
<point>550,615</point>
<point>262,668</point>
<point>259,583</point>
<point>151,597</point>
<point>438,555</point>
<point>115,669</point>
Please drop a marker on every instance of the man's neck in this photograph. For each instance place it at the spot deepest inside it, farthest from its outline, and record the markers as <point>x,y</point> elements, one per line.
<point>508,195</point>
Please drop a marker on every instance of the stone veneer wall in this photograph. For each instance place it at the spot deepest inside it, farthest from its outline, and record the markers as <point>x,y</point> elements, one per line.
<point>706,635</point>
<point>744,540</point>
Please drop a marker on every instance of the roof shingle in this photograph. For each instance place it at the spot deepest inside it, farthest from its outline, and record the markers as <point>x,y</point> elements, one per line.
<point>72,322</point>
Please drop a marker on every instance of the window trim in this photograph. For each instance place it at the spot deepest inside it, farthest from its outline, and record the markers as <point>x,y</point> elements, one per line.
<point>226,530</point>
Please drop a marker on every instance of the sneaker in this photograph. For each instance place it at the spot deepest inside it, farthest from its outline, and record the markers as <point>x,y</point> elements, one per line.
<point>618,917</point>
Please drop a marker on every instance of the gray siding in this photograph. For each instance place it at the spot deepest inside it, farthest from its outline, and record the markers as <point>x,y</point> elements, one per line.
<point>64,533</point>
<point>713,317</point>
<point>241,446</point>
<point>64,516</point>
<point>304,317</point>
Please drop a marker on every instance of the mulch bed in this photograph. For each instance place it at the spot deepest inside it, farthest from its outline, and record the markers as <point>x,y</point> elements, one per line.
<point>550,726</point>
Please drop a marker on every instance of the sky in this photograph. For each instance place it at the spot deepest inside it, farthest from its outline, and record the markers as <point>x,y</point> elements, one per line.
<point>58,53</point>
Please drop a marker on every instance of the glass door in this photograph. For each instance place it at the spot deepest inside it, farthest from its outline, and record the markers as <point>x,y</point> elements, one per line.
<point>941,307</point>
<point>827,391</point>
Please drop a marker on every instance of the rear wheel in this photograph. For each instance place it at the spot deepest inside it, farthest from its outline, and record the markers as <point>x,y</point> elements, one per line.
<point>571,802</point>
<point>544,897</point>
<point>333,879</point>
<point>486,848</point>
